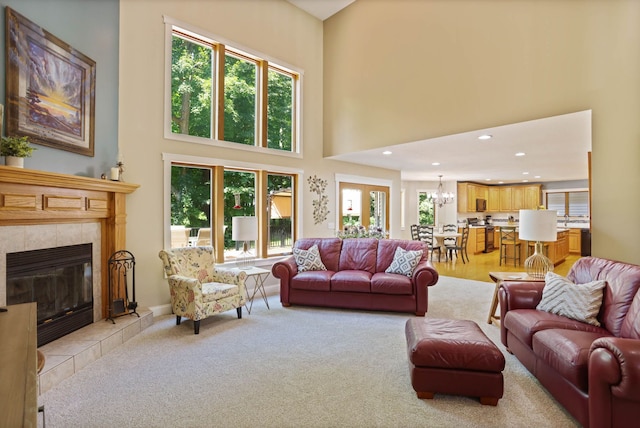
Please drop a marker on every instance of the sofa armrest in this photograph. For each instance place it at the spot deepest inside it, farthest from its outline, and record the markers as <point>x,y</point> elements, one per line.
<point>285,270</point>
<point>517,295</point>
<point>614,376</point>
<point>424,275</point>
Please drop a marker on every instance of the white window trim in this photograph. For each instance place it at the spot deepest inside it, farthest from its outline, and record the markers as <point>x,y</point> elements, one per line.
<point>344,178</point>
<point>168,34</point>
<point>170,158</point>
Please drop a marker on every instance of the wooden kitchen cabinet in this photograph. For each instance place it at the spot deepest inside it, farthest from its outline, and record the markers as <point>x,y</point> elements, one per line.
<point>493,201</point>
<point>505,199</point>
<point>532,196</point>
<point>476,240</point>
<point>575,241</point>
<point>559,250</point>
<point>517,198</point>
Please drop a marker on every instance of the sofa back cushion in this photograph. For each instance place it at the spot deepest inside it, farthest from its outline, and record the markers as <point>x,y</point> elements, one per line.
<point>359,254</point>
<point>631,324</point>
<point>623,282</point>
<point>329,249</point>
<point>387,249</point>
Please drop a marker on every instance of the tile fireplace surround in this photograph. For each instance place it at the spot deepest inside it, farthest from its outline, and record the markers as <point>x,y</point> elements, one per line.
<point>43,209</point>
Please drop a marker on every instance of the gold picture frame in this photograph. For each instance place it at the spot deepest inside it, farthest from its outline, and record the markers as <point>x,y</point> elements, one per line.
<point>50,88</point>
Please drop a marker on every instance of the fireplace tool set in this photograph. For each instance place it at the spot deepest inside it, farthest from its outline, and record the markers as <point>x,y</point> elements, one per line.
<point>122,270</point>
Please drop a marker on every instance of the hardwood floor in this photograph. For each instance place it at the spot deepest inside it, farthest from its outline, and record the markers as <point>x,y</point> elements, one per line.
<point>480,265</point>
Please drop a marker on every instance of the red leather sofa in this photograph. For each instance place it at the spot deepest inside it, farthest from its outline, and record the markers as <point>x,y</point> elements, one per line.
<point>594,372</point>
<point>355,277</point>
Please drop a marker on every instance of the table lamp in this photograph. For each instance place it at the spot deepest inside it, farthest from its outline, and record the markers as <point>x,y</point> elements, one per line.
<point>539,226</point>
<point>245,229</point>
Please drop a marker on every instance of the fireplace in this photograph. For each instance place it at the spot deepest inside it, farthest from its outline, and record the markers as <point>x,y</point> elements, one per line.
<point>60,281</point>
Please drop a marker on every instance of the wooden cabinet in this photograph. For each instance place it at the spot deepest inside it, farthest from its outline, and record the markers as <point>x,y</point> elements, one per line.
<point>559,250</point>
<point>499,198</point>
<point>493,201</point>
<point>532,197</point>
<point>505,199</point>
<point>18,356</point>
<point>575,241</point>
<point>476,240</point>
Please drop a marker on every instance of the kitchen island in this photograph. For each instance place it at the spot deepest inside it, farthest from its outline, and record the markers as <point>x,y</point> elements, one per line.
<point>557,251</point>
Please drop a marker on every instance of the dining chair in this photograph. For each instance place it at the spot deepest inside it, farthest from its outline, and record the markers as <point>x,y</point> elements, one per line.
<point>425,234</point>
<point>509,238</point>
<point>414,232</point>
<point>461,246</point>
<point>450,242</point>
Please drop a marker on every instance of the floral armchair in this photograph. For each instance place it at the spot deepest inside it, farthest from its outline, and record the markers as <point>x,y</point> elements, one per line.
<point>197,289</point>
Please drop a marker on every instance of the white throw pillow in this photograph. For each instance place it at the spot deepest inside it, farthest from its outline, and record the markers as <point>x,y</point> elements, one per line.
<point>404,261</point>
<point>580,302</point>
<point>308,259</point>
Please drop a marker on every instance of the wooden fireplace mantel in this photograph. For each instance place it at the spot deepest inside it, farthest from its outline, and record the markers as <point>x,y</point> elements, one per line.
<point>30,197</point>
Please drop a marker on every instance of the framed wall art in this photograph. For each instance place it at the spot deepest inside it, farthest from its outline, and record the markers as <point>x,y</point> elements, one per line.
<point>50,88</point>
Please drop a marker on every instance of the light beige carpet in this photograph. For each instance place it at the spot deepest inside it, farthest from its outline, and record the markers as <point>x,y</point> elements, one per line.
<point>291,367</point>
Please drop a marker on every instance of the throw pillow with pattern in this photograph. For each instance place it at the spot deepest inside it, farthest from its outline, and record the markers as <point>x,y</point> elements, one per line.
<point>580,302</point>
<point>404,261</point>
<point>308,259</point>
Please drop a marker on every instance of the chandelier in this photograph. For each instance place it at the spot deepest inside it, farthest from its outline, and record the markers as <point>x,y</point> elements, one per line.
<point>440,197</point>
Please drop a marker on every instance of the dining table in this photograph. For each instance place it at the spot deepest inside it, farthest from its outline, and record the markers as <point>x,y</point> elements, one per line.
<point>440,237</point>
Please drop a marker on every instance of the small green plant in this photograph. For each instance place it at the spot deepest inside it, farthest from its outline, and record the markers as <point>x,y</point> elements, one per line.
<point>16,146</point>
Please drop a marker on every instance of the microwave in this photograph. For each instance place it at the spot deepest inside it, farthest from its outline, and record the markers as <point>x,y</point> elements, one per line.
<point>481,205</point>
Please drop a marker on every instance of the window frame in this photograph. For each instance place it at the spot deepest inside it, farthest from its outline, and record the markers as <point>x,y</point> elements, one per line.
<point>217,205</point>
<point>265,62</point>
<point>342,179</point>
<point>566,193</point>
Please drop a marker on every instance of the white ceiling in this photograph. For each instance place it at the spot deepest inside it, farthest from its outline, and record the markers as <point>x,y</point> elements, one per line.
<point>555,150</point>
<point>321,9</point>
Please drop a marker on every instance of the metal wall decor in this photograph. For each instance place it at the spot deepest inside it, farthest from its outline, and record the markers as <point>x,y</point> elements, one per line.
<point>320,209</point>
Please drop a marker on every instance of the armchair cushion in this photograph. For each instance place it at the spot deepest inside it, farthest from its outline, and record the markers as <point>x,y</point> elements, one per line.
<point>580,302</point>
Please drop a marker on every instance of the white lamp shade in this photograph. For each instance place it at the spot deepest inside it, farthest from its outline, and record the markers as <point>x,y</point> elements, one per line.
<point>538,225</point>
<point>244,228</point>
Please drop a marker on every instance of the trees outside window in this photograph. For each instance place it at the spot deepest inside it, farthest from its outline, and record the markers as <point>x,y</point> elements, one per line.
<point>255,105</point>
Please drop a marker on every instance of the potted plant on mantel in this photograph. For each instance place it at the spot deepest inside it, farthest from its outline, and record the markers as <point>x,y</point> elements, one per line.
<point>15,149</point>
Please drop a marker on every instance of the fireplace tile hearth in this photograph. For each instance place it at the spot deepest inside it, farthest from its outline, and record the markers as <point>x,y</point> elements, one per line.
<point>71,353</point>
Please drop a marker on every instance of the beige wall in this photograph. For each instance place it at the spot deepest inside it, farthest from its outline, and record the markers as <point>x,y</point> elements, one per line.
<point>272,27</point>
<point>404,70</point>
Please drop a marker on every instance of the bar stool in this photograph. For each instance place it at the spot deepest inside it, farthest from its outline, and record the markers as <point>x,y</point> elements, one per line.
<point>531,247</point>
<point>508,238</point>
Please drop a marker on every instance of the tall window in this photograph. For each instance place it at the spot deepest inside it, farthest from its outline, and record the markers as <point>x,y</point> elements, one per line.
<point>220,93</point>
<point>426,209</point>
<point>204,199</point>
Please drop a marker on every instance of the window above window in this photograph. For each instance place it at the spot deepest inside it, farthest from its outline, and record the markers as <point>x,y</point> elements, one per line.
<point>220,94</point>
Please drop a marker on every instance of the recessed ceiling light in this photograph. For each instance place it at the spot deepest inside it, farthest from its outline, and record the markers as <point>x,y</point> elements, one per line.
<point>525,181</point>
<point>485,137</point>
<point>435,163</point>
<point>537,176</point>
<point>500,182</point>
<point>387,152</point>
<point>487,179</point>
<point>525,173</point>
<point>520,154</point>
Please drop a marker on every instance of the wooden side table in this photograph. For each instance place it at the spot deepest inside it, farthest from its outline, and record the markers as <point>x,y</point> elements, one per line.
<point>498,277</point>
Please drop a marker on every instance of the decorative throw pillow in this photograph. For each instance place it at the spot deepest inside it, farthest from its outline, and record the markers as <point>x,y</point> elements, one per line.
<point>580,302</point>
<point>404,261</point>
<point>308,259</point>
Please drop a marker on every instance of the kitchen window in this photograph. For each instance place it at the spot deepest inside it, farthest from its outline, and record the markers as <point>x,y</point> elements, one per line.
<point>572,203</point>
<point>221,94</point>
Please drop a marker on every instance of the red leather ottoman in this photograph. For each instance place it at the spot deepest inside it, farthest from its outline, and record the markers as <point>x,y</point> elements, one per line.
<point>453,357</point>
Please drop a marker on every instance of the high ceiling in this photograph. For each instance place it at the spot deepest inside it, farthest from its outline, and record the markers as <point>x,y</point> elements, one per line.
<point>321,9</point>
<point>555,149</point>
